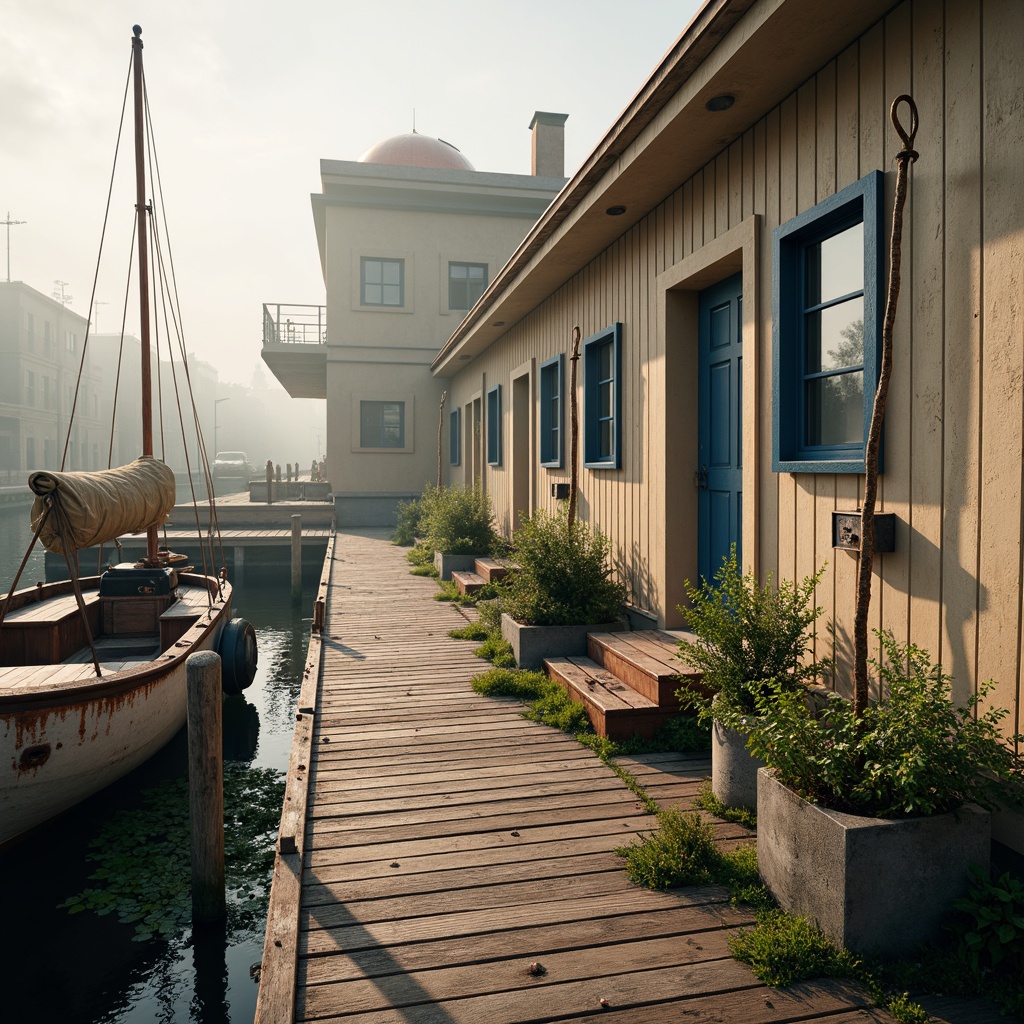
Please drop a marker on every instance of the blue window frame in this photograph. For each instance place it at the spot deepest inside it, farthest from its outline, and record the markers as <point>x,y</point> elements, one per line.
<point>494,426</point>
<point>602,399</point>
<point>455,437</point>
<point>827,277</point>
<point>551,412</point>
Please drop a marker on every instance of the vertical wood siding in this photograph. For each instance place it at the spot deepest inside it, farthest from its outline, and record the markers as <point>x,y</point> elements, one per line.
<point>954,444</point>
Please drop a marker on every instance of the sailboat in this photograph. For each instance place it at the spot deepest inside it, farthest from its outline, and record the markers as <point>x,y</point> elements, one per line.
<point>93,669</point>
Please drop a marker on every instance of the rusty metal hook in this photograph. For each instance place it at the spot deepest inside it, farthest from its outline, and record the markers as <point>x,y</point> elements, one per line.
<point>908,152</point>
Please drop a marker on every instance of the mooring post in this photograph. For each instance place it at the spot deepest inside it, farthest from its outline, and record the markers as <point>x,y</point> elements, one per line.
<point>270,481</point>
<point>206,787</point>
<point>296,556</point>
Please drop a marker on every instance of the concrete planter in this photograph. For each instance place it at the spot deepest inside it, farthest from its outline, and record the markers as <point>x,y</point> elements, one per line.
<point>733,768</point>
<point>447,564</point>
<point>871,885</point>
<point>532,644</point>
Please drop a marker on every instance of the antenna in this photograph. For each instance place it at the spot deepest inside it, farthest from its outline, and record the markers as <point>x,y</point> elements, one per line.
<point>413,126</point>
<point>96,314</point>
<point>59,294</point>
<point>9,222</point>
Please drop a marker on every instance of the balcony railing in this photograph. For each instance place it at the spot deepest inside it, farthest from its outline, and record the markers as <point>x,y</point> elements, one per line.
<point>294,324</point>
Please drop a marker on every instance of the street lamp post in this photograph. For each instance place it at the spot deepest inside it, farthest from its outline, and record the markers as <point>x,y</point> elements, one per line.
<point>216,402</point>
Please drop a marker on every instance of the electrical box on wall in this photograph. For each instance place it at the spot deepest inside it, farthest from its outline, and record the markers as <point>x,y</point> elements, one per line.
<point>559,490</point>
<point>847,530</point>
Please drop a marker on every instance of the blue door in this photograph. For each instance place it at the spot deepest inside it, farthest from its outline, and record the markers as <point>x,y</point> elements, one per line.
<point>719,424</point>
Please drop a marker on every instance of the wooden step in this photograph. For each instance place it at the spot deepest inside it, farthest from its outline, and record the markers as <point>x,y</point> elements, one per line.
<point>491,569</point>
<point>616,710</point>
<point>645,660</point>
<point>468,582</point>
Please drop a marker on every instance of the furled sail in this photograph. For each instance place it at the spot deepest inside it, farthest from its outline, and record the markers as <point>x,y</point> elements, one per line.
<point>99,507</point>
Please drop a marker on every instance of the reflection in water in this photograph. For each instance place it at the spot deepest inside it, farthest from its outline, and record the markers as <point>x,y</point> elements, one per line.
<point>89,967</point>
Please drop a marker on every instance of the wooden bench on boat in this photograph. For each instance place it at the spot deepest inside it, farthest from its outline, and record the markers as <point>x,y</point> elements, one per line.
<point>47,632</point>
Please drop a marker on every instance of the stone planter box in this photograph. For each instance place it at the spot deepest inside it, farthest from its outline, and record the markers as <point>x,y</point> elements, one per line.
<point>447,564</point>
<point>871,885</point>
<point>733,768</point>
<point>532,644</point>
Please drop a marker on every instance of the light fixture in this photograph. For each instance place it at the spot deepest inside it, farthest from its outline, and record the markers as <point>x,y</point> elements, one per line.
<point>615,211</point>
<point>498,323</point>
<point>723,102</point>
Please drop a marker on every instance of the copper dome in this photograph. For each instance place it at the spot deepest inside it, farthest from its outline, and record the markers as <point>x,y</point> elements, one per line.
<point>415,150</point>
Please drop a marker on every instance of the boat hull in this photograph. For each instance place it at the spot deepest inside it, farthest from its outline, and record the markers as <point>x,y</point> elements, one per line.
<point>62,741</point>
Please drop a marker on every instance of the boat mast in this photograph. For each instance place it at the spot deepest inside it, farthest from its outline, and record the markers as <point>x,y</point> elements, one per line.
<point>143,235</point>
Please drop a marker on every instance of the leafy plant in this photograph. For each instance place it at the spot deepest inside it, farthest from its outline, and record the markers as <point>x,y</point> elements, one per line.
<point>784,949</point>
<point>563,575</point>
<point>408,515</point>
<point>747,635</point>
<point>682,851</point>
<point>911,753</point>
<point>421,558</point>
<point>707,801</point>
<point>991,923</point>
<point>548,702</point>
<point>458,521</point>
<point>143,874</point>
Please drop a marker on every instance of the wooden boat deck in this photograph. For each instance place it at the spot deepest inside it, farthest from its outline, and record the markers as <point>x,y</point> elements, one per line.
<point>435,844</point>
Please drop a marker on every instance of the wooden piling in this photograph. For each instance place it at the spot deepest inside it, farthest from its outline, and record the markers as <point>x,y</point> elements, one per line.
<point>270,482</point>
<point>296,556</point>
<point>206,787</point>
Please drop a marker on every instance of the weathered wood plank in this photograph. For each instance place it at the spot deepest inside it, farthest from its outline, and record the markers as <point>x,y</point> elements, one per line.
<point>447,843</point>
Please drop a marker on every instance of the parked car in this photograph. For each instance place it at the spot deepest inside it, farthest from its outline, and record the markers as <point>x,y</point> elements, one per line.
<point>233,464</point>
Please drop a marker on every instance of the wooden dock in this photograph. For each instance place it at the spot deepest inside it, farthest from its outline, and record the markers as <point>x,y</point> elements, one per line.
<point>434,844</point>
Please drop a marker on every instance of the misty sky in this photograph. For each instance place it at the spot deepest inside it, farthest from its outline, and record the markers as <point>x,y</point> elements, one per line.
<point>246,100</point>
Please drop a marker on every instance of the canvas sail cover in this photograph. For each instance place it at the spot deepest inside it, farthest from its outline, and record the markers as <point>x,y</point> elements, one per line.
<point>103,505</point>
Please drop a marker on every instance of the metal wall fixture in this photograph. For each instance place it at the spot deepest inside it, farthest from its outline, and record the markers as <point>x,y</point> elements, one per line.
<point>847,530</point>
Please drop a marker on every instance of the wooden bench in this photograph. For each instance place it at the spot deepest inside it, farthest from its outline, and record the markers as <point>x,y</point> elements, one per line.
<point>177,620</point>
<point>48,632</point>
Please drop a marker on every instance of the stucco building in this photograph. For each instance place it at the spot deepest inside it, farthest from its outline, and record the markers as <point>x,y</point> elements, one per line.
<point>410,236</point>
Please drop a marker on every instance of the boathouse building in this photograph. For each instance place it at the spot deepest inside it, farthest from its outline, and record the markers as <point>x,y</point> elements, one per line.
<point>723,251</point>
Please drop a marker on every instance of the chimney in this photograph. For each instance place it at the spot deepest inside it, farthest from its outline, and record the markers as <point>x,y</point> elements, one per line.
<point>547,152</point>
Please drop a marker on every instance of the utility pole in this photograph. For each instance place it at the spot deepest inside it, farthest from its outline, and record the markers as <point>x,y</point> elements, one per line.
<point>9,222</point>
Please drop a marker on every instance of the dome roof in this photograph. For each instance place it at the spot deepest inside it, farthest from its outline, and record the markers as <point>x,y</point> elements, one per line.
<point>415,150</point>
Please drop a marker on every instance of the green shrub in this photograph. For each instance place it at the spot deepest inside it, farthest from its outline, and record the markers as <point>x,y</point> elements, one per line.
<point>682,851</point>
<point>912,753</point>
<point>458,521</point>
<point>549,704</point>
<point>408,515</point>
<point>990,924</point>
<point>746,635</point>
<point>783,950</point>
<point>421,558</point>
<point>497,651</point>
<point>471,631</point>
<point>563,576</point>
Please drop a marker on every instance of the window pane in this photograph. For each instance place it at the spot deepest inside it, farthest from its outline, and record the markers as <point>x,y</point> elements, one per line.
<point>457,271</point>
<point>391,273</point>
<point>372,295</point>
<point>382,424</point>
<point>372,271</point>
<point>835,409</point>
<point>605,439</point>
<point>835,266</point>
<point>604,362</point>
<point>604,400</point>
<point>392,295</point>
<point>835,337</point>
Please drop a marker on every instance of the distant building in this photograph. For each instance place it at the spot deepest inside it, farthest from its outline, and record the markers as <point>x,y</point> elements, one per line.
<point>410,236</point>
<point>40,353</point>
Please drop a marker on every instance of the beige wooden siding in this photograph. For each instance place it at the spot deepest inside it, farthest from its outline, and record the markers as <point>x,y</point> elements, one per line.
<point>954,444</point>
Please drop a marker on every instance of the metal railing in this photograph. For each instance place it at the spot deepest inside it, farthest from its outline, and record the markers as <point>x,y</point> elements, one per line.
<point>291,324</point>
